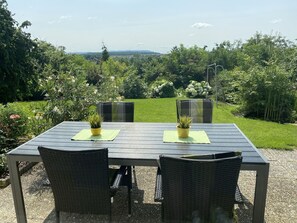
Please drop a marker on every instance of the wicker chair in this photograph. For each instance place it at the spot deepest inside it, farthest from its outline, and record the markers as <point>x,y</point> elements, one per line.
<point>116,111</point>
<point>81,181</point>
<point>200,110</point>
<point>197,190</point>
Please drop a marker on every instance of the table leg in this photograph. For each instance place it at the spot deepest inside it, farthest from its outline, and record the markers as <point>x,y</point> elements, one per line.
<point>260,194</point>
<point>17,192</point>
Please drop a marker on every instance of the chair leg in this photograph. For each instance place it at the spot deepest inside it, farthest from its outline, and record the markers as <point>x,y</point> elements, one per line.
<point>129,175</point>
<point>129,185</point>
<point>109,216</point>
<point>162,212</point>
<point>134,174</point>
<point>57,216</point>
<point>129,202</point>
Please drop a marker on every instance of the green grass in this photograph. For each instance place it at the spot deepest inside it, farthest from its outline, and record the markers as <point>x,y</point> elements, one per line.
<point>30,108</point>
<point>154,110</point>
<point>262,133</point>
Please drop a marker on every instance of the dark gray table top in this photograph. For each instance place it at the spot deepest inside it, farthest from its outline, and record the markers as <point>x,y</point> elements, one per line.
<point>142,143</point>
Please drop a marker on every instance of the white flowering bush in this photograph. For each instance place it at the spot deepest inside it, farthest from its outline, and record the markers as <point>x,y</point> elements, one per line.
<point>68,94</point>
<point>109,89</point>
<point>198,89</point>
<point>162,89</point>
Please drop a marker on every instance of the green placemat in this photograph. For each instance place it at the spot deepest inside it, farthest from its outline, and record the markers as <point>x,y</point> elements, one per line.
<point>106,134</point>
<point>194,137</point>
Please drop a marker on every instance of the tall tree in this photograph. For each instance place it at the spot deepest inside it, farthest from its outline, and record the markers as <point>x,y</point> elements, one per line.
<point>225,54</point>
<point>17,76</point>
<point>184,64</point>
<point>105,54</point>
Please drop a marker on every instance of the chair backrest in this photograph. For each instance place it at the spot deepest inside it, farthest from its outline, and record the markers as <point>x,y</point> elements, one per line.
<point>79,180</point>
<point>116,111</point>
<point>200,110</point>
<point>199,190</point>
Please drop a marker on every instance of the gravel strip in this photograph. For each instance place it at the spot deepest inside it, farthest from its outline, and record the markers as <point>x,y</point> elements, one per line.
<point>281,205</point>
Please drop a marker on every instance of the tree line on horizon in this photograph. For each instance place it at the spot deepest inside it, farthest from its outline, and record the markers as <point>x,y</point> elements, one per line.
<point>260,74</point>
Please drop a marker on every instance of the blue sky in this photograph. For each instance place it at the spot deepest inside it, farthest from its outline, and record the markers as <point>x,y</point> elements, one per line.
<point>156,25</point>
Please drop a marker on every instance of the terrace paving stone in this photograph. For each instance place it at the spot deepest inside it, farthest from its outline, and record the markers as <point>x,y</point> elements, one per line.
<point>281,205</point>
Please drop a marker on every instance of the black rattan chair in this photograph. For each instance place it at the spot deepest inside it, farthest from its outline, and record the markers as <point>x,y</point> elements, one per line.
<point>116,111</point>
<point>200,110</point>
<point>197,190</point>
<point>81,181</point>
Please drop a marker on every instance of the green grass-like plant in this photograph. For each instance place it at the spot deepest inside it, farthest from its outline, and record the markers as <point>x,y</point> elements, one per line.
<point>184,122</point>
<point>95,120</point>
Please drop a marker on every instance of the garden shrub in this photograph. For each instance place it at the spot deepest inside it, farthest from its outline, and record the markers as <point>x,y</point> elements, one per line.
<point>68,95</point>
<point>3,146</point>
<point>109,89</point>
<point>162,89</point>
<point>198,89</point>
<point>34,110</point>
<point>38,124</point>
<point>268,93</point>
<point>3,164</point>
<point>13,122</point>
<point>181,93</point>
<point>229,85</point>
<point>134,87</point>
<point>113,75</point>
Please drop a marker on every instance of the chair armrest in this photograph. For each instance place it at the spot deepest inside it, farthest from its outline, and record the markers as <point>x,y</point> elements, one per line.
<point>158,186</point>
<point>118,178</point>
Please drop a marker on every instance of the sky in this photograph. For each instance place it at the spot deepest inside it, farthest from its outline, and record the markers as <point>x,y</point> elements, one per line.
<point>157,25</point>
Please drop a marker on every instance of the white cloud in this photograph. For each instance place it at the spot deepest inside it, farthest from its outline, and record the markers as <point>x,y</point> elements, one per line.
<point>191,34</point>
<point>92,18</point>
<point>60,19</point>
<point>65,17</point>
<point>275,21</point>
<point>140,44</point>
<point>201,25</point>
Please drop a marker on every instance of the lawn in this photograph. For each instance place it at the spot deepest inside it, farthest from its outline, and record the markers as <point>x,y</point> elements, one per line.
<point>262,133</point>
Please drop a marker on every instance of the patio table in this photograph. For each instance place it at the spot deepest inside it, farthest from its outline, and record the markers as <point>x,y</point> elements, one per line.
<point>140,144</point>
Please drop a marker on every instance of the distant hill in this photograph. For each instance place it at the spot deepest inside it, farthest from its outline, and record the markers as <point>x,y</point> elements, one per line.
<point>123,53</point>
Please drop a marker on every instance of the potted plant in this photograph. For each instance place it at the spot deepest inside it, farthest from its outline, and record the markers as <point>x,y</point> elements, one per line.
<point>183,126</point>
<point>95,123</point>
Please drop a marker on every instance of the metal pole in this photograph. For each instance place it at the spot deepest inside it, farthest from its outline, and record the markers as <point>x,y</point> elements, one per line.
<point>217,82</point>
<point>208,67</point>
<point>207,79</point>
<point>216,85</point>
<point>215,76</point>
